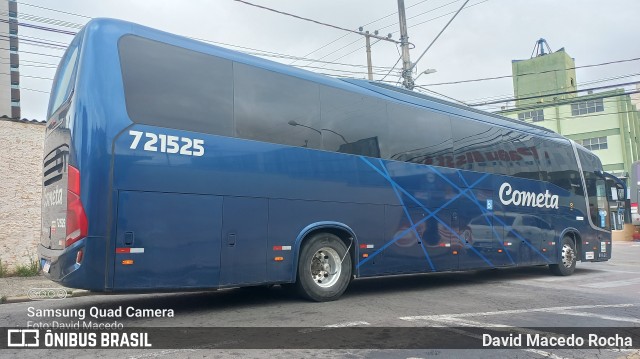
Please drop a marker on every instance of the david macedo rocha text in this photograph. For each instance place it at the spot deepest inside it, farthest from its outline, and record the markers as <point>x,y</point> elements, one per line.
<point>548,341</point>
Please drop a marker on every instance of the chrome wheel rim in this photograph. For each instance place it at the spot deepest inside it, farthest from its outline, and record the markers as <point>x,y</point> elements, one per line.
<point>568,256</point>
<point>325,267</point>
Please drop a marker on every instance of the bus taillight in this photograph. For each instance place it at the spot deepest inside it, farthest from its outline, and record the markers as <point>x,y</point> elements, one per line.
<point>634,208</point>
<point>77,223</point>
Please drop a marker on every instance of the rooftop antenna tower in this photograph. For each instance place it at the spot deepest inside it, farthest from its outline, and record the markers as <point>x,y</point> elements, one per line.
<point>539,48</point>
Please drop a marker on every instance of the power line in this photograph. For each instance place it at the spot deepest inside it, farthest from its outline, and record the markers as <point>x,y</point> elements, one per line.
<point>322,47</point>
<point>435,18</point>
<point>508,96</point>
<point>259,52</point>
<point>37,27</point>
<point>423,13</point>
<point>443,95</point>
<point>437,36</point>
<point>367,24</point>
<point>30,89</point>
<point>531,73</point>
<point>33,77</point>
<point>49,21</point>
<point>449,13</point>
<point>27,65</point>
<point>557,93</point>
<point>310,20</point>
<point>55,10</point>
<point>569,101</point>
<point>394,66</point>
<point>33,53</point>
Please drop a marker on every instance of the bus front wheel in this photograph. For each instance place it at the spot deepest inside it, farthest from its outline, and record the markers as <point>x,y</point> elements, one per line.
<point>567,263</point>
<point>324,268</point>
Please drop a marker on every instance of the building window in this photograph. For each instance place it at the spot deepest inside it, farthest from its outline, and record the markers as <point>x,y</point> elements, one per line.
<point>535,115</point>
<point>597,143</point>
<point>585,107</point>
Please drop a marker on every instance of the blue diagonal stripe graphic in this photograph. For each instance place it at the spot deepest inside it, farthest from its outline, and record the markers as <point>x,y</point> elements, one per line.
<point>485,211</point>
<point>406,212</point>
<point>429,212</point>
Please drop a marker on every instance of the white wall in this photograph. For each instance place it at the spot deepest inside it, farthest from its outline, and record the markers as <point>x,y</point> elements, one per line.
<point>21,151</point>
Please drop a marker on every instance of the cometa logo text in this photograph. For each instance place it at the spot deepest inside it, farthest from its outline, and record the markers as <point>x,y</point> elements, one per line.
<point>509,196</point>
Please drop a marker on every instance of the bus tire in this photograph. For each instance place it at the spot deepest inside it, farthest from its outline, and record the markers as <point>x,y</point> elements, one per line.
<point>567,263</point>
<point>324,268</point>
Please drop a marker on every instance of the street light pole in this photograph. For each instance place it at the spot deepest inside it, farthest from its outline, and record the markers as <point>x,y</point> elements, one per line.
<point>294,123</point>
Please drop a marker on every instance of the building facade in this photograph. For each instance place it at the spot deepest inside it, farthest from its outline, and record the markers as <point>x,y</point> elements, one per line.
<point>607,123</point>
<point>9,60</point>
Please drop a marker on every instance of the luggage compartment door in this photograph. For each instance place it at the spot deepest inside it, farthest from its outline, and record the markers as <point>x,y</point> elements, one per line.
<point>167,240</point>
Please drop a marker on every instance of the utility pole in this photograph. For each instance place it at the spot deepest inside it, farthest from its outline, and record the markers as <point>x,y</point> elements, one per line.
<point>369,65</point>
<point>367,37</point>
<point>404,43</point>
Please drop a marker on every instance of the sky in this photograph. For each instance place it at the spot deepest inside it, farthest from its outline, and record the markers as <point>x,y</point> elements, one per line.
<point>480,42</point>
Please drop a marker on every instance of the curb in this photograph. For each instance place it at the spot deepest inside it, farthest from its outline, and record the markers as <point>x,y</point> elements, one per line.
<point>23,298</point>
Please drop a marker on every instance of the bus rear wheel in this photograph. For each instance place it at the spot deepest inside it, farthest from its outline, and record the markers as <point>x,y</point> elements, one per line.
<point>324,268</point>
<point>567,264</point>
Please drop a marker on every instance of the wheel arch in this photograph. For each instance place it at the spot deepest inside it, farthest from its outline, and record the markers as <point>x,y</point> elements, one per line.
<point>340,230</point>
<point>575,236</point>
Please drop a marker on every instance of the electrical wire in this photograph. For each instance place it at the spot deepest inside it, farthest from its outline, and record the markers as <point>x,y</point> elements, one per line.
<point>54,10</point>
<point>556,93</point>
<point>310,20</point>
<point>531,73</point>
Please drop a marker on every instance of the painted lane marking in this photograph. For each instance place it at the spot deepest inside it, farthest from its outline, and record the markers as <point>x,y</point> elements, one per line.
<point>347,324</point>
<point>515,311</point>
<point>161,353</point>
<point>543,353</point>
<point>617,283</point>
<point>599,316</point>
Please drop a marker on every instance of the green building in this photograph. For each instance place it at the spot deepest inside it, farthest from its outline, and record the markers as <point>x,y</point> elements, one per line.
<point>608,123</point>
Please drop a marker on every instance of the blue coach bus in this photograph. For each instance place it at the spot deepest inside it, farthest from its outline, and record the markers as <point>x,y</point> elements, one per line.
<point>171,164</point>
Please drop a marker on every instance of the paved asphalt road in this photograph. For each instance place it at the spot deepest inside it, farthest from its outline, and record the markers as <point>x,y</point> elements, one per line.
<point>597,295</point>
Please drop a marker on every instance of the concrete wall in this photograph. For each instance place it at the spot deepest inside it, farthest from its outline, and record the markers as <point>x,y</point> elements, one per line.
<point>5,68</point>
<point>21,145</point>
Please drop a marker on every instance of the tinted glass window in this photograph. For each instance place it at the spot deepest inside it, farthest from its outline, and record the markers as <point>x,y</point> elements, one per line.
<point>559,162</point>
<point>479,147</point>
<point>523,155</point>
<point>62,84</point>
<point>276,108</point>
<point>529,221</point>
<point>507,220</point>
<point>353,123</point>
<point>169,86</point>
<point>596,189</point>
<point>419,136</point>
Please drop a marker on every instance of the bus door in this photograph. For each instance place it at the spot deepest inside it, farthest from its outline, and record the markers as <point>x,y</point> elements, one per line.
<point>167,240</point>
